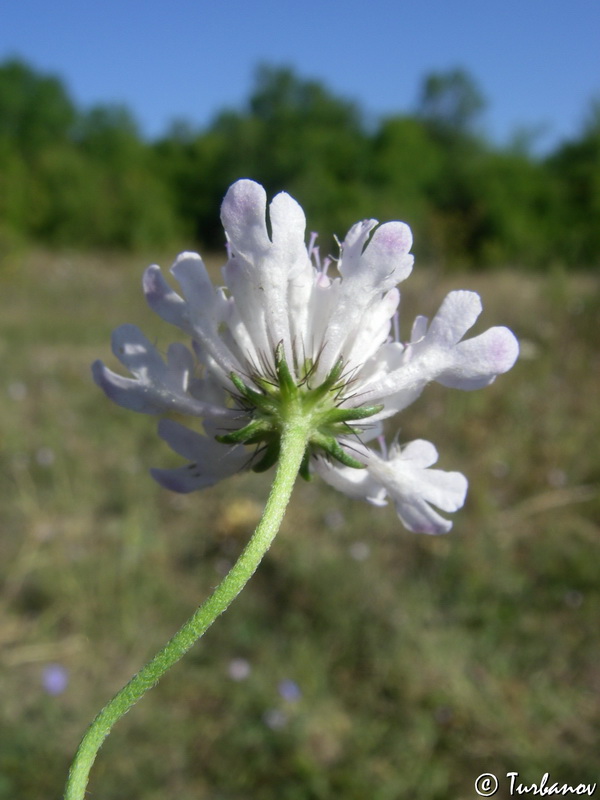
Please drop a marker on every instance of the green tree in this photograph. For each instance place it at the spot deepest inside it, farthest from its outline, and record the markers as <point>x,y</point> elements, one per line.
<point>518,208</point>
<point>451,103</point>
<point>449,107</point>
<point>293,135</point>
<point>312,144</point>
<point>35,110</point>
<point>576,165</point>
<point>128,205</point>
<point>406,163</point>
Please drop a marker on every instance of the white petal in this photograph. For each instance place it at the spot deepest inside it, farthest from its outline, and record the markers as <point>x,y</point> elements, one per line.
<point>249,302</point>
<point>421,453</point>
<point>419,328</point>
<point>204,307</point>
<point>373,329</point>
<point>202,310</point>
<point>353,246</point>
<point>239,340</point>
<point>322,301</point>
<point>369,269</point>
<point>414,487</point>
<point>356,483</point>
<point>261,273</point>
<point>288,226</point>
<point>446,490</point>
<point>457,314</point>
<point>407,478</point>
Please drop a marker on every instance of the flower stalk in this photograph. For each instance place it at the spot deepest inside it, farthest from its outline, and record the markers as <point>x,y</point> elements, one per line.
<point>294,438</point>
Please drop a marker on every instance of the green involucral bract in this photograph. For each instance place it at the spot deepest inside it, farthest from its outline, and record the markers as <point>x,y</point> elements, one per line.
<point>283,399</point>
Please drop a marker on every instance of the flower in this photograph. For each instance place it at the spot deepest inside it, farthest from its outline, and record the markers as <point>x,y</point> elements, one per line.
<point>289,690</point>
<point>239,669</point>
<point>283,333</point>
<point>55,679</point>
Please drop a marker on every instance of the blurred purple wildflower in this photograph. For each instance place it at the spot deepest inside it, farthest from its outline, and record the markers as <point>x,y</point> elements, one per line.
<point>289,690</point>
<point>55,679</point>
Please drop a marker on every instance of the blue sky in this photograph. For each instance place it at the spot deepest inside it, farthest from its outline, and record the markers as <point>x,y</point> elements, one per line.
<point>536,61</point>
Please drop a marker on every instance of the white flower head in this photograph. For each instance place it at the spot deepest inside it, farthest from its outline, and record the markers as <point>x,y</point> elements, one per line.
<point>281,331</point>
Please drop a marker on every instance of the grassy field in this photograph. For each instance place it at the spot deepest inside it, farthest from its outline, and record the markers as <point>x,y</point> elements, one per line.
<point>362,662</point>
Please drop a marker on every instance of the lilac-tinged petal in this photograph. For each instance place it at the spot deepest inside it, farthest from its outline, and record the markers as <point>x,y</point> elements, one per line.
<point>211,461</point>
<point>180,364</point>
<point>185,442</point>
<point>479,360</point>
<point>386,256</point>
<point>198,290</point>
<point>243,214</point>
<point>125,392</point>
<point>136,352</point>
<point>438,354</point>
<point>182,480</point>
<point>381,262</point>
<point>419,517</point>
<point>164,301</point>
<point>158,387</point>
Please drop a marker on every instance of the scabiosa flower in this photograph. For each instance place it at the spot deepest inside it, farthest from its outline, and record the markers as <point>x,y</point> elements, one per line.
<point>282,337</point>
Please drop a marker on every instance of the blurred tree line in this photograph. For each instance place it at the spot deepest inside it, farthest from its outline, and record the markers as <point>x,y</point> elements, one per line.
<point>88,179</point>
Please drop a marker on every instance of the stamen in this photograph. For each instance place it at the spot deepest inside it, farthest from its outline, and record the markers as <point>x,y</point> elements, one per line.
<point>396,326</point>
<point>313,250</point>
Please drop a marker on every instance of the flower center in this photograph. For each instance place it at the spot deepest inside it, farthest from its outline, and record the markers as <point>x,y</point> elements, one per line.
<point>281,401</point>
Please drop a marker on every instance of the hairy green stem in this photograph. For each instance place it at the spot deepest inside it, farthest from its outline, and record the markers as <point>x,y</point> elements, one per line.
<point>295,435</point>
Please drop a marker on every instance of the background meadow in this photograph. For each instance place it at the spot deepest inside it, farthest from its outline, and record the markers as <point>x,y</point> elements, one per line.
<point>416,663</point>
<point>361,661</point>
